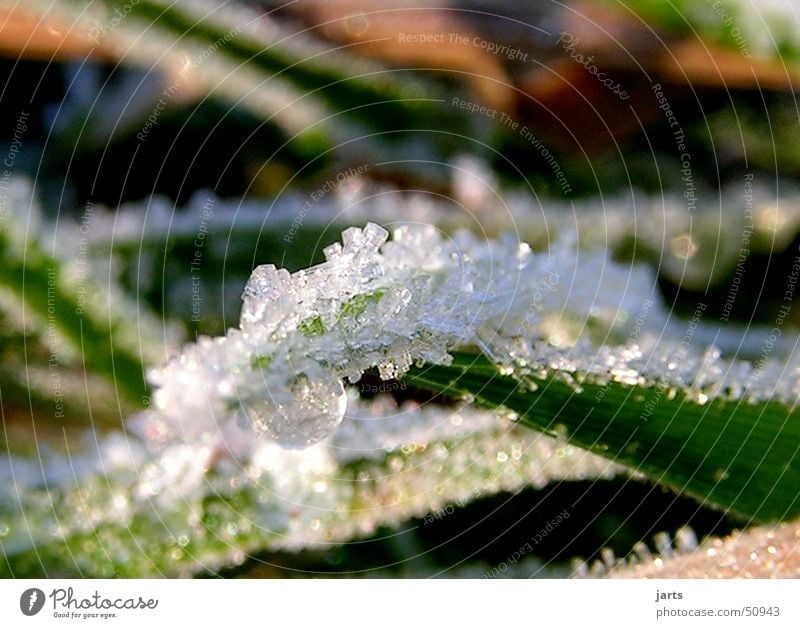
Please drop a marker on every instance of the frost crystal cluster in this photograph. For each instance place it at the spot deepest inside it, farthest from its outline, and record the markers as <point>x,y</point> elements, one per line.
<point>371,304</point>
<point>389,305</point>
<point>138,508</point>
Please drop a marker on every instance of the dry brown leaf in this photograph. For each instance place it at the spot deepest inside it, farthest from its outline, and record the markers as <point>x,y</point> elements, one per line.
<point>28,35</point>
<point>387,34</point>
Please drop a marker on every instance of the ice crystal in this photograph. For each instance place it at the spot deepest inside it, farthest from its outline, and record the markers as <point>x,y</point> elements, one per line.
<point>651,220</point>
<point>387,463</point>
<point>388,304</point>
<point>760,552</point>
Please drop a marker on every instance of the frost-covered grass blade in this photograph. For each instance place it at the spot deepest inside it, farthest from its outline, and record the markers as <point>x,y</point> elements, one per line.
<point>733,454</point>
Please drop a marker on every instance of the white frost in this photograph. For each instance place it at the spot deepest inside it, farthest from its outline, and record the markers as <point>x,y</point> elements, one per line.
<point>386,305</point>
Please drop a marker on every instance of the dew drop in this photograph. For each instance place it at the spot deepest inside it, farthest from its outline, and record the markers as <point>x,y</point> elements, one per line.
<point>721,475</point>
<point>320,486</point>
<point>312,410</point>
<point>683,247</point>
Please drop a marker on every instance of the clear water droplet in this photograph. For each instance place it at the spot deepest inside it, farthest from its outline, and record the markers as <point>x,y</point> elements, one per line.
<point>314,408</point>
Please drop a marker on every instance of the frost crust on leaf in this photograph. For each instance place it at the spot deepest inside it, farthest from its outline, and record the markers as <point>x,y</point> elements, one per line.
<point>387,304</point>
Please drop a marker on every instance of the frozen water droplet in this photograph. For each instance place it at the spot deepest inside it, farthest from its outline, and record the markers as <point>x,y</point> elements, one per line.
<point>720,475</point>
<point>311,411</point>
<point>265,286</point>
<point>686,540</point>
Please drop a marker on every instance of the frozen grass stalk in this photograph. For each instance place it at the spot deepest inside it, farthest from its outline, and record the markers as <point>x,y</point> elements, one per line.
<point>413,300</point>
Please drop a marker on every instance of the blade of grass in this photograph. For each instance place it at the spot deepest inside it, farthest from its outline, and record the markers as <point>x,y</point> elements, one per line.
<point>37,279</point>
<point>738,456</point>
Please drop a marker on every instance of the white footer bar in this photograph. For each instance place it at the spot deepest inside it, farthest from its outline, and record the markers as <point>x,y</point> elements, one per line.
<point>398,603</point>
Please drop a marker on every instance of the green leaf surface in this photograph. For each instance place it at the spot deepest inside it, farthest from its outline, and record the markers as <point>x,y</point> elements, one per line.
<point>37,279</point>
<point>739,456</point>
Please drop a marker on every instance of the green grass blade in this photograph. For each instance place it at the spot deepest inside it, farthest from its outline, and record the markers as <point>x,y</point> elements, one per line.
<point>38,281</point>
<point>738,456</point>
